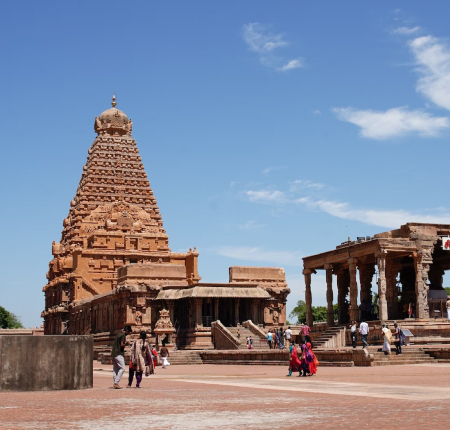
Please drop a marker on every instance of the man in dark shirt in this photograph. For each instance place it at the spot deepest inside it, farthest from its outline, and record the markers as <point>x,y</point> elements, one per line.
<point>117,355</point>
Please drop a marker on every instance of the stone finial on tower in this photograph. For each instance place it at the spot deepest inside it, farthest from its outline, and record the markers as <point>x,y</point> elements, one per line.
<point>114,101</point>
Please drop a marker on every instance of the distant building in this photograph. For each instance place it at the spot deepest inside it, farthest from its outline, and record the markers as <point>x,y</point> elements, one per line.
<point>113,265</point>
<point>417,254</point>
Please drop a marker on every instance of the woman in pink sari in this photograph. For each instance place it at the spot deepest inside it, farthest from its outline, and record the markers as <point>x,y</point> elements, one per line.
<point>314,363</point>
<point>294,363</point>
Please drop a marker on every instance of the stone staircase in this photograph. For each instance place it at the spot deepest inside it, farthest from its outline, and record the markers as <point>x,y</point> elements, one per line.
<point>333,337</point>
<point>408,356</point>
<point>258,342</point>
<point>183,357</point>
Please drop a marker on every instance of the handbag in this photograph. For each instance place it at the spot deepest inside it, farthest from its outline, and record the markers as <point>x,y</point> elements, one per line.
<point>132,366</point>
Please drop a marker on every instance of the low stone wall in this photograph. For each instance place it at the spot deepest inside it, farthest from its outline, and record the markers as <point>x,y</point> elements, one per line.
<point>45,363</point>
<point>337,357</point>
<point>36,331</point>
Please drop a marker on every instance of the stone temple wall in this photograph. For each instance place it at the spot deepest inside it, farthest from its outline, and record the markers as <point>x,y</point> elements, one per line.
<point>45,363</point>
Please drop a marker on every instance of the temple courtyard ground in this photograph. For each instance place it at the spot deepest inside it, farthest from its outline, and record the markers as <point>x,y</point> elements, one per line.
<point>247,397</point>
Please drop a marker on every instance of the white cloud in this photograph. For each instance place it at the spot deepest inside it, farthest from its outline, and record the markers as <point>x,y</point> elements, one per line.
<point>293,64</point>
<point>382,218</point>
<point>394,122</point>
<point>406,30</point>
<point>317,112</point>
<point>260,40</point>
<point>281,258</point>
<point>251,225</point>
<point>432,56</point>
<point>266,196</point>
<point>305,183</point>
<point>271,169</point>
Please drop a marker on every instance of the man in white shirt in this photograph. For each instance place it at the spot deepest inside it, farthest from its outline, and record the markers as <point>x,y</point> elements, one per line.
<point>288,336</point>
<point>353,327</point>
<point>364,331</point>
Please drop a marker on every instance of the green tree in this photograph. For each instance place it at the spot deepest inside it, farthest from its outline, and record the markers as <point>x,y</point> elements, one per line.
<point>9,320</point>
<point>319,313</point>
<point>448,290</point>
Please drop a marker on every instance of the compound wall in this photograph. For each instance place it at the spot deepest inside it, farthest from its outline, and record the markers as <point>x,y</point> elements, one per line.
<point>45,363</point>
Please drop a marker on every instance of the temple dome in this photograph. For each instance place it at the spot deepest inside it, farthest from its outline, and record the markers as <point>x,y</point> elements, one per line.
<point>113,119</point>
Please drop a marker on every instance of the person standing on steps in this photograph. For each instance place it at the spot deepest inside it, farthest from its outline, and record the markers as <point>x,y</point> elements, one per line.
<point>288,336</point>
<point>399,338</point>
<point>269,339</point>
<point>305,334</point>
<point>353,332</point>
<point>364,331</point>
<point>117,354</point>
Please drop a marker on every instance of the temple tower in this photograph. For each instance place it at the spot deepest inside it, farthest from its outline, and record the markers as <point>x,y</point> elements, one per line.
<point>113,221</point>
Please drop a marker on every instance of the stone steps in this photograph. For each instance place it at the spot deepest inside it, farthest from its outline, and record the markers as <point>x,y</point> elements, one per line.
<point>245,332</point>
<point>183,357</point>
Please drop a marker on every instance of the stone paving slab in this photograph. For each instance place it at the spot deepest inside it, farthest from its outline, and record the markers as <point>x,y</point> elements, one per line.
<point>243,397</point>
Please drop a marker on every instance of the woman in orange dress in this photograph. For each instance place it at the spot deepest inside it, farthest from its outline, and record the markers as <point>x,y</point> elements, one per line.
<point>314,363</point>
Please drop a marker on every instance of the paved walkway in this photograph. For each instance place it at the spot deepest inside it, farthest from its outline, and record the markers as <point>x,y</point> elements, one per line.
<point>247,397</point>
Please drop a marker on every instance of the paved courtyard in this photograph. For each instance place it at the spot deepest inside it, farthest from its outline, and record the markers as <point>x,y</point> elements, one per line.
<point>247,397</point>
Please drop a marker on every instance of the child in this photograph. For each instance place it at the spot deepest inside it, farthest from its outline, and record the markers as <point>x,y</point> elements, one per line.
<point>155,355</point>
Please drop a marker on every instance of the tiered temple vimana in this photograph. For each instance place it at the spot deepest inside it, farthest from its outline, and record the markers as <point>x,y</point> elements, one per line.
<point>113,265</point>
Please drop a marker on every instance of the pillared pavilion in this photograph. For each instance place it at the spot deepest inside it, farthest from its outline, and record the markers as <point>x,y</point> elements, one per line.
<point>113,265</point>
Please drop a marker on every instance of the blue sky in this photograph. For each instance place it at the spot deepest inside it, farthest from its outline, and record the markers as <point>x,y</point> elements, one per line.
<point>269,131</point>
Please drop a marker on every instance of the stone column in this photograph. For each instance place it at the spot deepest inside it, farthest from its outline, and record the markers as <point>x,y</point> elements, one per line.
<point>236,311</point>
<point>255,311</point>
<point>353,308</point>
<point>392,270</point>
<point>382,303</point>
<point>329,277</point>
<point>366,272</point>
<point>308,297</point>
<point>216,308</point>
<point>343,285</point>
<point>422,261</point>
<point>171,308</point>
<point>198,311</point>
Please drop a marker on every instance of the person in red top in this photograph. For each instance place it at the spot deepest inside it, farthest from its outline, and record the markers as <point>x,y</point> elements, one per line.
<point>305,333</point>
<point>155,356</point>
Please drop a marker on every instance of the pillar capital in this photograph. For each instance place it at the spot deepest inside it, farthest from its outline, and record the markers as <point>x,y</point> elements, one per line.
<point>328,266</point>
<point>308,271</point>
<point>352,261</point>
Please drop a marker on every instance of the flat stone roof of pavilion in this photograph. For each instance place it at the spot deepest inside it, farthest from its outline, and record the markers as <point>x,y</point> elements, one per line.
<point>401,241</point>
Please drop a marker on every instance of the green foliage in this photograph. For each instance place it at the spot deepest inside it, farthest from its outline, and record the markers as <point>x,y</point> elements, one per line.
<point>319,313</point>
<point>9,320</point>
<point>448,290</point>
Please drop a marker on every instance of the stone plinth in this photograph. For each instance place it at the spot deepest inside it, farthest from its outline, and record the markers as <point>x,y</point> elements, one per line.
<point>45,363</point>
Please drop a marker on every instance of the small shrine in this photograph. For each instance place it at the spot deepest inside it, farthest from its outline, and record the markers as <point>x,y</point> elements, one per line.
<point>164,329</point>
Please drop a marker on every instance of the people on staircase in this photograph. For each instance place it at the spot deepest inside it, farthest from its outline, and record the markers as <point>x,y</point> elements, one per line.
<point>281,339</point>
<point>399,338</point>
<point>305,333</point>
<point>353,332</point>
<point>364,331</point>
<point>269,338</point>
<point>386,340</point>
<point>164,353</point>
<point>288,336</point>
<point>249,342</point>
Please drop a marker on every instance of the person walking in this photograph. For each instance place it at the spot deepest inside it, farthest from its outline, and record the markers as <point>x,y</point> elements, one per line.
<point>164,353</point>
<point>364,331</point>
<point>117,353</point>
<point>269,339</point>
<point>288,336</point>
<point>141,360</point>
<point>249,342</point>
<point>314,363</point>
<point>353,332</point>
<point>294,363</point>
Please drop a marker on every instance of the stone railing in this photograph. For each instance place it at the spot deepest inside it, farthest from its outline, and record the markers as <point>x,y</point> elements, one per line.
<point>257,331</point>
<point>222,338</point>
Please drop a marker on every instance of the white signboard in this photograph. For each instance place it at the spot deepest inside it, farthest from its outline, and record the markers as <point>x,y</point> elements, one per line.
<point>446,243</point>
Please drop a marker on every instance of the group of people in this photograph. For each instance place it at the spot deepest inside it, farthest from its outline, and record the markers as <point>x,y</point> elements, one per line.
<point>143,357</point>
<point>398,335</point>
<point>279,338</point>
<point>302,359</point>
